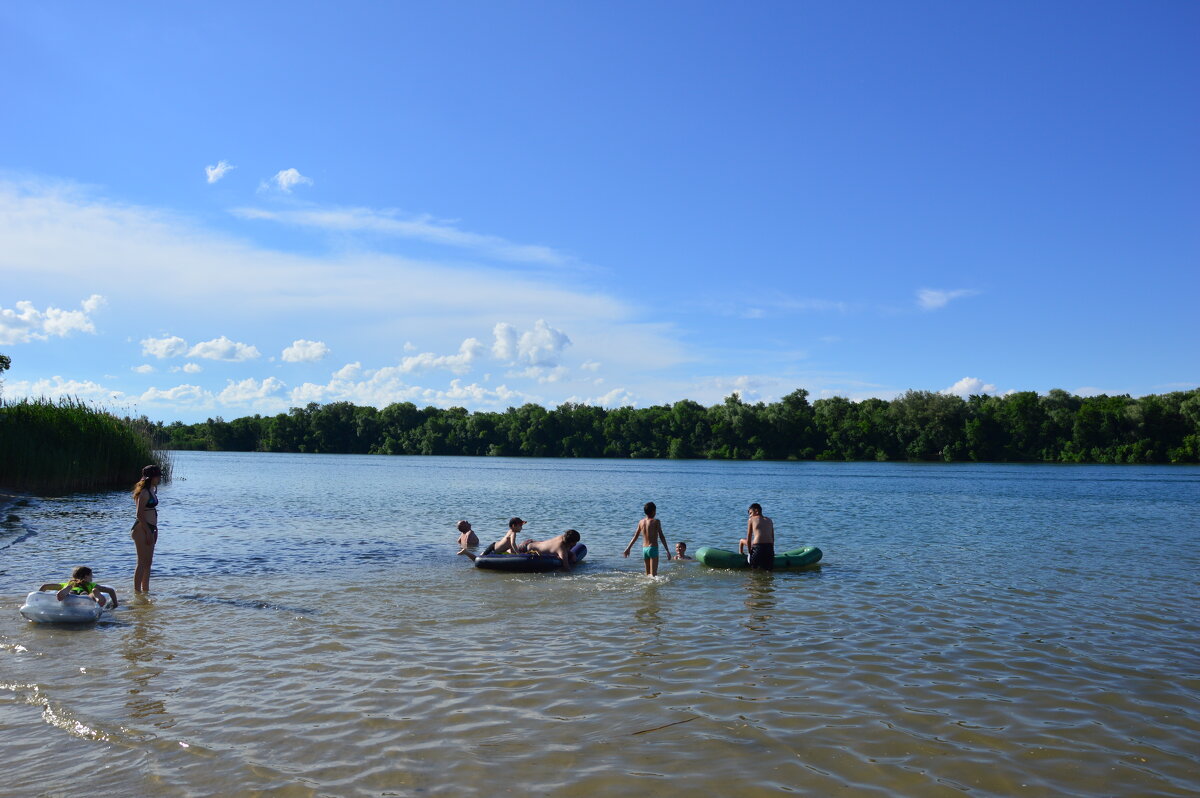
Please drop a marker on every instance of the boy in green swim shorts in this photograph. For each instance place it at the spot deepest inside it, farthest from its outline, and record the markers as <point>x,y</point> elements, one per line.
<point>651,533</point>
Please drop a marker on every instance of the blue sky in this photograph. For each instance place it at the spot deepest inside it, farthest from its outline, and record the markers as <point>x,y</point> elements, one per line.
<point>229,208</point>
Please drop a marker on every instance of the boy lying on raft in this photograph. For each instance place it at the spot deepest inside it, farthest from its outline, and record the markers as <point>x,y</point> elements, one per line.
<point>81,584</point>
<point>558,546</point>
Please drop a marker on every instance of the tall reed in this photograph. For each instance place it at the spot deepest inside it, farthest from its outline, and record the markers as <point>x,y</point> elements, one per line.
<point>55,447</point>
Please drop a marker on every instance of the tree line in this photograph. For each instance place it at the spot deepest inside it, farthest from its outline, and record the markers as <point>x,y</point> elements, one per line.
<point>1057,427</point>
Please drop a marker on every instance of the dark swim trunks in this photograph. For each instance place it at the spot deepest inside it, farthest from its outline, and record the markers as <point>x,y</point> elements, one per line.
<point>762,557</point>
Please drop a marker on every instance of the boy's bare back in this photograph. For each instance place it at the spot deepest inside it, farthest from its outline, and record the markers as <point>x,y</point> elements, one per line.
<point>650,529</point>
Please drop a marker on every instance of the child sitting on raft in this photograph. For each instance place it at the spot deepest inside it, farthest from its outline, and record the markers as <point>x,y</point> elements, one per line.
<point>81,584</point>
<point>508,543</point>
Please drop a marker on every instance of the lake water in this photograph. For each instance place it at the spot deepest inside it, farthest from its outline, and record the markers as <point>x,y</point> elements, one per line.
<point>983,629</point>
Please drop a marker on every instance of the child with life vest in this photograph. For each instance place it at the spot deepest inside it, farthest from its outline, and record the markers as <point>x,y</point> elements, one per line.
<point>81,584</point>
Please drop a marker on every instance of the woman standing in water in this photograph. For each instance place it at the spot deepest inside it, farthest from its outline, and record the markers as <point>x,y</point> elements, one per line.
<point>145,528</point>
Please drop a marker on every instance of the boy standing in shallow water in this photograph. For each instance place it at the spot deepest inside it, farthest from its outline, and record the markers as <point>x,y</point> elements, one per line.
<point>651,531</point>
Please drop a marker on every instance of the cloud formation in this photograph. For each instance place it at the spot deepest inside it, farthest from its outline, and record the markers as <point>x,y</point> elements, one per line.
<point>617,397</point>
<point>302,351</point>
<point>250,390</point>
<point>286,179</point>
<point>215,173</point>
<point>933,298</point>
<point>168,346</point>
<point>27,323</point>
<point>382,387</point>
<point>541,346</point>
<point>420,227</point>
<point>968,386</point>
<point>224,349</point>
<point>180,394</point>
<point>468,353</point>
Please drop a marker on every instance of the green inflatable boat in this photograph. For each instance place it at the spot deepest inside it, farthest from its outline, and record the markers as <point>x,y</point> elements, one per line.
<point>721,558</point>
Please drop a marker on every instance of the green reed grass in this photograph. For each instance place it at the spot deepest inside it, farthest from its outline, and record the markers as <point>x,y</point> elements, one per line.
<point>68,445</point>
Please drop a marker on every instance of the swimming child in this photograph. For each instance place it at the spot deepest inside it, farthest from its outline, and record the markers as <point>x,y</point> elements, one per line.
<point>81,584</point>
<point>467,536</point>
<point>651,531</point>
<point>681,551</point>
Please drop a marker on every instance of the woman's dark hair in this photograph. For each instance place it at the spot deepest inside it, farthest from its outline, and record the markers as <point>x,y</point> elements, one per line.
<point>571,537</point>
<point>148,473</point>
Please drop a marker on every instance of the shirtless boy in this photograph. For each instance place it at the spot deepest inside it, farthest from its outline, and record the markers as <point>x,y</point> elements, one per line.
<point>466,535</point>
<point>507,543</point>
<point>559,546</point>
<point>651,532</point>
<point>760,539</point>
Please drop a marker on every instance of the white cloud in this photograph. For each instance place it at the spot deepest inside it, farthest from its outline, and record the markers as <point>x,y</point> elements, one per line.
<point>421,228</point>
<point>968,386</point>
<point>145,368</point>
<point>27,323</point>
<point>302,351</point>
<point>349,371</point>
<point>73,235</point>
<point>468,353</point>
<point>224,349</point>
<point>542,374</point>
<point>384,386</point>
<point>409,346</point>
<point>505,345</point>
<point>249,390</point>
<point>617,397</point>
<point>590,365</point>
<point>180,395</point>
<point>56,387</point>
<point>192,368</point>
<point>541,346</point>
<point>932,298</point>
<point>286,179</point>
<point>169,346</point>
<point>215,173</point>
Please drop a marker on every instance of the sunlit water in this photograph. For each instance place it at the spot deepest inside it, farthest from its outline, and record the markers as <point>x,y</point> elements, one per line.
<point>981,629</point>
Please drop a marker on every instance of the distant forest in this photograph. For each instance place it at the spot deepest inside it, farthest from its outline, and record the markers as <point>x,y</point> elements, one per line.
<point>920,425</point>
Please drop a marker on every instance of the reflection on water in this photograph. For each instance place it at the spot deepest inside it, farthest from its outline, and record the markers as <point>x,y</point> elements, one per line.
<point>965,633</point>
<point>760,601</point>
<point>141,647</point>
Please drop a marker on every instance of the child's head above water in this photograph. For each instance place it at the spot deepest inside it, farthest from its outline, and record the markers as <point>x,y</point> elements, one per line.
<point>82,573</point>
<point>680,547</point>
<point>464,526</point>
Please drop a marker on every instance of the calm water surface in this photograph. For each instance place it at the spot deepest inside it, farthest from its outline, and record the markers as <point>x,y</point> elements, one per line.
<point>981,629</point>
